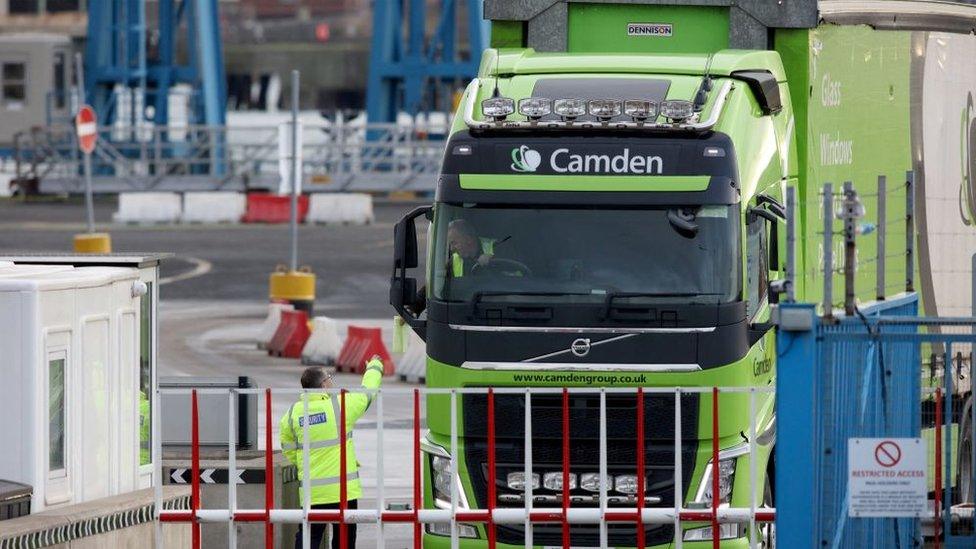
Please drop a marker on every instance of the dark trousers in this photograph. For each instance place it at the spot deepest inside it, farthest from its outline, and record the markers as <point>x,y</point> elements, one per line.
<point>318,529</point>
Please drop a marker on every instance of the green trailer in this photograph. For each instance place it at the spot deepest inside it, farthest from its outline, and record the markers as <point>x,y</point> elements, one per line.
<point>610,212</point>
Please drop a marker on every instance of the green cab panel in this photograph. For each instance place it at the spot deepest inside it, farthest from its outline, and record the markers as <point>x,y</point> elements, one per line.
<point>609,28</point>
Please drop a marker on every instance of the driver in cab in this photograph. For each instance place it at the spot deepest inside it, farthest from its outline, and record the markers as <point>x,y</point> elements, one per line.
<point>467,249</point>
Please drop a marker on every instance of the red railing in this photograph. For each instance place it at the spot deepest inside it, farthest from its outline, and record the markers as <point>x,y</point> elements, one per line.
<point>490,517</point>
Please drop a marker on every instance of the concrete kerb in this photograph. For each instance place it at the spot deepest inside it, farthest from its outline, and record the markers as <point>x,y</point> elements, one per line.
<point>213,207</point>
<point>149,208</point>
<point>340,209</point>
<point>124,520</point>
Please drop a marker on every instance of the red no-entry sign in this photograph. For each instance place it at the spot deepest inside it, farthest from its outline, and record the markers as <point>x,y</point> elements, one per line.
<point>887,454</point>
<point>86,125</point>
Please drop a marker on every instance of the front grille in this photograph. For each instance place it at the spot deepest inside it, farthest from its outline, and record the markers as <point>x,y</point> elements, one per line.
<point>584,416</point>
<point>547,455</point>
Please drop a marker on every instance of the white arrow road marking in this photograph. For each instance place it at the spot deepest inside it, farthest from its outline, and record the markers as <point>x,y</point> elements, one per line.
<point>200,268</point>
<point>177,476</point>
<point>206,476</point>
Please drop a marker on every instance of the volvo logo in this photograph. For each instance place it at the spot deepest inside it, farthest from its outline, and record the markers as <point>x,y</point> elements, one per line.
<point>580,347</point>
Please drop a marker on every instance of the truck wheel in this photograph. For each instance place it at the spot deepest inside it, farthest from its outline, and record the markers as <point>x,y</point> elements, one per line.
<point>964,482</point>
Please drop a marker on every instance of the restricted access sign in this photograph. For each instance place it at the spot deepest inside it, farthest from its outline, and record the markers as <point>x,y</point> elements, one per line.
<point>86,126</point>
<point>886,477</point>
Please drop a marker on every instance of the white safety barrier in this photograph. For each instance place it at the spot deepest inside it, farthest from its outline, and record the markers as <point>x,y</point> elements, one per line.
<point>412,367</point>
<point>149,208</point>
<point>340,208</point>
<point>271,322</point>
<point>324,344</point>
<point>520,503</point>
<point>213,207</point>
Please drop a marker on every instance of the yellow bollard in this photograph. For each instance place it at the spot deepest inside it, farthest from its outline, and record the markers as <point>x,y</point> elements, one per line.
<point>296,287</point>
<point>93,243</point>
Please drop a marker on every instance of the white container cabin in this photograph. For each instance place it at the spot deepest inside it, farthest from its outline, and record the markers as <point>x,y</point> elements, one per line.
<point>77,354</point>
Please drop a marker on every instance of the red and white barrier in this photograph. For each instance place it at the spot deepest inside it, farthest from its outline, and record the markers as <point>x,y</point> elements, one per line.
<point>324,345</point>
<point>412,366</point>
<point>341,209</point>
<point>565,515</point>
<point>290,337</point>
<point>361,345</point>
<point>271,322</point>
<point>273,208</point>
<point>213,207</point>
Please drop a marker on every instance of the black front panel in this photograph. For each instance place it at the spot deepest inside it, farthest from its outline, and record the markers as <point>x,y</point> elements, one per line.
<point>547,456</point>
<point>717,346</point>
<point>576,153</point>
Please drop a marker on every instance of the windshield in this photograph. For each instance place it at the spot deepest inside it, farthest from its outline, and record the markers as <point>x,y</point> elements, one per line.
<point>687,255</point>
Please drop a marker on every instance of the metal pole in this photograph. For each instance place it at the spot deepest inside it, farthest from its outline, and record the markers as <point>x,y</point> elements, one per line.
<point>882,229</point>
<point>910,231</point>
<point>80,79</point>
<point>828,234</point>
<point>850,228</point>
<point>89,199</point>
<point>86,165</point>
<point>790,244</point>
<point>294,169</point>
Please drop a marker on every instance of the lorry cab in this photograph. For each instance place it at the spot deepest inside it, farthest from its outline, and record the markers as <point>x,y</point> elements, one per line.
<point>604,221</point>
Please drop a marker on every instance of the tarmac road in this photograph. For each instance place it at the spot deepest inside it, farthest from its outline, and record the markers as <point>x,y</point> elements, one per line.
<point>232,262</point>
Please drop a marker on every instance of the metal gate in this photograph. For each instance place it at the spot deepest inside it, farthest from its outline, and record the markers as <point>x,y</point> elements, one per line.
<point>883,372</point>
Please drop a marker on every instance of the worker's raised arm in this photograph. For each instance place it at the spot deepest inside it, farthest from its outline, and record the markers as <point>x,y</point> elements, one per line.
<point>358,403</point>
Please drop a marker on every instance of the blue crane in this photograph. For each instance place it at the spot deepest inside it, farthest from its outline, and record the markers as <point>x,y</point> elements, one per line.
<point>406,69</point>
<point>119,52</point>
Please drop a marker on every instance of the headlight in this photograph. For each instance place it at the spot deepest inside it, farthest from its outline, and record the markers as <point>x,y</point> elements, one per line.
<point>498,107</point>
<point>444,529</point>
<point>441,481</point>
<point>442,478</point>
<point>640,110</point>
<point>726,477</point>
<point>569,108</point>
<point>627,484</point>
<point>554,481</point>
<point>677,110</point>
<point>603,109</point>
<point>534,108</point>
<point>516,481</point>
<point>725,531</point>
<point>591,482</point>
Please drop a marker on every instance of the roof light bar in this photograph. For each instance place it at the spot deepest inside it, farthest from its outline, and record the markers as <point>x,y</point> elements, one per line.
<point>640,110</point>
<point>569,109</point>
<point>680,115</point>
<point>498,107</point>
<point>604,109</point>
<point>534,108</point>
<point>677,110</point>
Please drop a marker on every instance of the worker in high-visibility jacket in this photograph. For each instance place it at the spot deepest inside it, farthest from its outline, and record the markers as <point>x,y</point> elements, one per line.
<point>145,455</point>
<point>466,248</point>
<point>324,450</point>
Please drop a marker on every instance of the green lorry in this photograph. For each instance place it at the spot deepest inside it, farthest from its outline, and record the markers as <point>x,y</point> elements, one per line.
<point>610,212</point>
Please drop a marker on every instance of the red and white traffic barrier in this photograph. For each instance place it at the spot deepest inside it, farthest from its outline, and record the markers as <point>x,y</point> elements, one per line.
<point>492,515</point>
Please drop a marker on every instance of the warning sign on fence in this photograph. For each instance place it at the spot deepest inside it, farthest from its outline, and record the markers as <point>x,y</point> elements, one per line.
<point>886,477</point>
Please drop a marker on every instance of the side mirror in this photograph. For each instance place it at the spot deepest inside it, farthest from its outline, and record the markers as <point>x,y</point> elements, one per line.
<point>403,289</point>
<point>757,330</point>
<point>405,242</point>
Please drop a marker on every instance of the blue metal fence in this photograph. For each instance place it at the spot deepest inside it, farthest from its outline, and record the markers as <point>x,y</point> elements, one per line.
<point>841,378</point>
